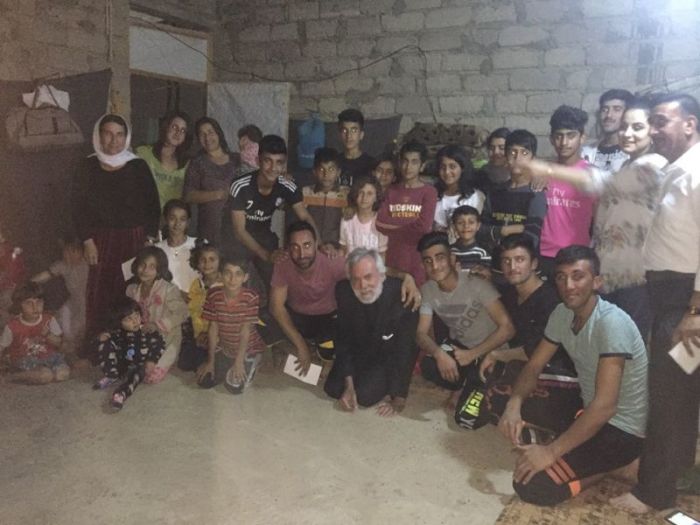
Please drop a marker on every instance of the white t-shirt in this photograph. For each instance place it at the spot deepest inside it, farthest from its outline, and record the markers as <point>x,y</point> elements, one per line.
<point>179,262</point>
<point>355,234</point>
<point>446,205</point>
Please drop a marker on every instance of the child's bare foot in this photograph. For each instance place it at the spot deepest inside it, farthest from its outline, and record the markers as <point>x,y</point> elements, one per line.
<point>629,503</point>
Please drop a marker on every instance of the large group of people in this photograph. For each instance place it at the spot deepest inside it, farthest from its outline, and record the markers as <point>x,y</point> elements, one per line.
<point>543,295</point>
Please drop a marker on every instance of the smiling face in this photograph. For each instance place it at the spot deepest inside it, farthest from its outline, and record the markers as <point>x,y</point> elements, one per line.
<point>177,221</point>
<point>384,173</point>
<point>439,263</point>
<point>302,249</point>
<point>132,322</point>
<point>147,271</point>
<point>366,197</point>
<point>272,166</point>
<point>450,172</point>
<point>208,138</point>
<point>176,132</point>
<point>635,132</point>
<point>577,284</point>
<point>112,138</point>
<point>466,227</point>
<point>497,152</point>
<point>233,277</point>
<point>567,144</point>
<point>611,115</point>
<point>411,164</point>
<point>327,174</point>
<point>208,263</point>
<point>671,130</point>
<point>517,265</point>
<point>31,309</point>
<point>366,281</point>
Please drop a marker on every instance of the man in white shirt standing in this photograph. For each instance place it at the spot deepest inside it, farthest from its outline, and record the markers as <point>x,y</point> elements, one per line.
<point>672,260</point>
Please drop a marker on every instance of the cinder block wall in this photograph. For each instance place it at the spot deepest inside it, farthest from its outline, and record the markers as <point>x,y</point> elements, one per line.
<point>493,63</point>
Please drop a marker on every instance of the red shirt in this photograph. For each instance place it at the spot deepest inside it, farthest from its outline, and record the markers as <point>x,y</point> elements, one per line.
<point>24,340</point>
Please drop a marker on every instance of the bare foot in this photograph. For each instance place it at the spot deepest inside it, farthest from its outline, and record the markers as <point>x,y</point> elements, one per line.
<point>628,473</point>
<point>629,503</point>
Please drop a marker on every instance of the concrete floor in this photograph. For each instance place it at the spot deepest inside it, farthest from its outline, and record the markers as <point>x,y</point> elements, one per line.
<point>281,453</point>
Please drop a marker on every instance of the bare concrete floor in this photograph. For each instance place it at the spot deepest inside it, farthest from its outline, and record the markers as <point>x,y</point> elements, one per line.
<point>279,454</point>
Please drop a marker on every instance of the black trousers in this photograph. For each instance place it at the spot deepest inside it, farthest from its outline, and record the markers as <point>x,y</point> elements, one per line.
<point>371,384</point>
<point>468,375</point>
<point>674,396</point>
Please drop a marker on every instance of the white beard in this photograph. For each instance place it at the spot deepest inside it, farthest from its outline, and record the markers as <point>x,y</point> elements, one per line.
<point>377,292</point>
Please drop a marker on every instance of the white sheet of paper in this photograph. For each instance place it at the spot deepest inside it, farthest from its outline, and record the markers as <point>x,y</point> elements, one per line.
<point>685,361</point>
<point>311,378</point>
<point>126,269</point>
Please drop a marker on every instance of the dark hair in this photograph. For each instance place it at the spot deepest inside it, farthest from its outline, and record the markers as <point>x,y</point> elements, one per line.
<point>523,138</point>
<point>175,204</point>
<point>272,144</point>
<point>388,157</point>
<point>117,119</point>
<point>498,133</point>
<point>251,131</point>
<point>241,262</point>
<point>121,308</point>
<point>616,94</point>
<point>640,102</point>
<point>467,178</point>
<point>181,151</point>
<point>575,253</point>
<point>162,271</point>
<point>358,184</point>
<point>465,209</point>
<point>688,104</point>
<point>352,115</point>
<point>299,226</point>
<point>27,290</point>
<point>325,154</point>
<point>201,245</point>
<point>413,146</point>
<point>217,128</point>
<point>519,240</point>
<point>568,117</point>
<point>431,239</point>
<point>70,241</point>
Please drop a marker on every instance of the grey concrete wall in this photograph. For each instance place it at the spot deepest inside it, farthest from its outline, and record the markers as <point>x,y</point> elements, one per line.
<point>493,63</point>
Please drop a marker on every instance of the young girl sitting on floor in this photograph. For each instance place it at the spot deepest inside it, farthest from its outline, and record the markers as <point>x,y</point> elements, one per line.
<point>32,339</point>
<point>205,259</point>
<point>177,245</point>
<point>359,230</point>
<point>127,351</point>
<point>162,306</point>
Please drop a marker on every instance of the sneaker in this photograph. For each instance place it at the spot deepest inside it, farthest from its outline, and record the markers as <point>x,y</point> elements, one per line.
<point>103,383</point>
<point>251,365</point>
<point>325,351</point>
<point>117,401</point>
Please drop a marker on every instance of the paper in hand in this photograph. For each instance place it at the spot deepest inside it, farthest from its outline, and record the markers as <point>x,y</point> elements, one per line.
<point>311,377</point>
<point>126,269</point>
<point>681,356</point>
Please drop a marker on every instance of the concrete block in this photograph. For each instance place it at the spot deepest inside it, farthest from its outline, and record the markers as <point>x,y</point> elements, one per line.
<point>462,61</point>
<point>494,13</point>
<point>405,85</point>
<point>271,72</point>
<point>65,58</point>
<point>269,15</point>
<point>539,125</point>
<point>350,81</point>
<point>379,69</point>
<point>413,105</point>
<point>284,52</point>
<point>389,44</point>
<point>516,58</point>
<point>548,102</point>
<point>243,52</point>
<point>578,79</point>
<point>534,80</point>
<point>376,7</point>
<point>546,11</point>
<point>413,63</point>
<point>412,21</point>
<point>301,69</point>
<point>82,40</point>
<point>521,35</point>
<point>303,10</point>
<point>590,103</point>
<point>592,8</point>
<point>440,40</point>
<point>319,49</point>
<point>612,53</point>
<point>288,31</point>
<point>338,8</point>
<point>570,34</point>
<point>678,50</point>
<point>355,47</point>
<point>421,4</point>
<point>364,26</point>
<point>300,106</point>
<point>461,104</point>
<point>448,17</point>
<point>620,77</point>
<point>445,83</point>
<point>485,83</point>
<point>380,106</point>
<point>316,29</point>
<point>255,34</point>
<point>483,38</point>
<point>510,103</point>
<point>565,56</point>
<point>331,66</point>
<point>331,106</point>
<point>322,88</point>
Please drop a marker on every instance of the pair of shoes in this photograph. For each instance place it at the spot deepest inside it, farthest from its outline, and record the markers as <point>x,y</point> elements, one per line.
<point>103,383</point>
<point>251,365</point>
<point>117,401</point>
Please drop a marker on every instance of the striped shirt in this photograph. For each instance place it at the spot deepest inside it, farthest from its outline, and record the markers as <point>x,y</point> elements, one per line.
<point>470,255</point>
<point>231,315</point>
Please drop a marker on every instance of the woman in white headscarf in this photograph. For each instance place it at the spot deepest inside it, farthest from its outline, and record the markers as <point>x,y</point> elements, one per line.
<point>115,211</point>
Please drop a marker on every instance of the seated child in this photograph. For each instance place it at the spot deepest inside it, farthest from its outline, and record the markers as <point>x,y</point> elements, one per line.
<point>360,230</point>
<point>162,306</point>
<point>32,338</point>
<point>326,199</point>
<point>470,255</point>
<point>177,245</point>
<point>235,347</point>
<point>205,259</point>
<point>73,269</point>
<point>127,351</point>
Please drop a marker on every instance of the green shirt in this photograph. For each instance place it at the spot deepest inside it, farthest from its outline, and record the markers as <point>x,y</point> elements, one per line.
<point>169,183</point>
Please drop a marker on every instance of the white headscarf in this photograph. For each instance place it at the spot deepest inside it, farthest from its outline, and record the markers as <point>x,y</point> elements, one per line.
<point>121,158</point>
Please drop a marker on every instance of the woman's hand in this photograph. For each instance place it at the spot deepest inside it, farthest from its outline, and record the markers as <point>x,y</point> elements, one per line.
<point>90,252</point>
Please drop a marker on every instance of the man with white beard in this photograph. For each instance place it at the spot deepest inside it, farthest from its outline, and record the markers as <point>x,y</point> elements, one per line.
<point>375,345</point>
